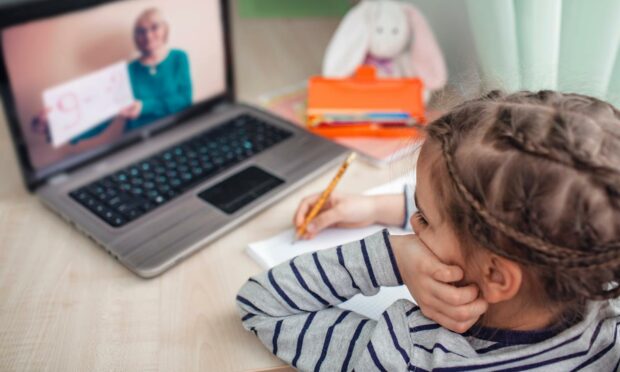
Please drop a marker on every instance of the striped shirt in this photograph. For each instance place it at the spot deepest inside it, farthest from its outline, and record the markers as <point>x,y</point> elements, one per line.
<point>292,310</point>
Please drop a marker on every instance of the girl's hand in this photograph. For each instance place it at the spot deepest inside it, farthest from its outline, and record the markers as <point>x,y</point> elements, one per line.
<point>338,211</point>
<point>351,211</point>
<point>429,282</point>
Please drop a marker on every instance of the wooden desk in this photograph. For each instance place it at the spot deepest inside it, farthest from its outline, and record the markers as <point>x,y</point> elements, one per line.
<point>65,305</point>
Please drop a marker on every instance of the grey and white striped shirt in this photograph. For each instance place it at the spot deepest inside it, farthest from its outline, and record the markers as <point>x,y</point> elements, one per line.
<point>292,310</point>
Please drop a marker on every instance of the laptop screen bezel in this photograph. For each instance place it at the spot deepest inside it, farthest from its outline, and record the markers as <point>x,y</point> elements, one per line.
<point>12,15</point>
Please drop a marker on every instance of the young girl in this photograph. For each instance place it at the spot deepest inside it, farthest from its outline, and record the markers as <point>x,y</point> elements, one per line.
<point>520,191</point>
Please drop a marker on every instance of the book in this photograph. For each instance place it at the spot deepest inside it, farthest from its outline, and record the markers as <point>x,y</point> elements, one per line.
<point>280,248</point>
<point>290,104</point>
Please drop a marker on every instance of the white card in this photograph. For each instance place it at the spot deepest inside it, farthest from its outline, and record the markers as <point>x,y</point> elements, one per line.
<point>76,106</point>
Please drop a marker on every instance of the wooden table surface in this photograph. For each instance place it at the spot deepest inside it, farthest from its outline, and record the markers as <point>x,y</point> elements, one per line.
<point>65,305</point>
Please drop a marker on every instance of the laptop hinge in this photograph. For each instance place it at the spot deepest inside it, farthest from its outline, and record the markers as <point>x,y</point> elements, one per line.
<point>58,179</point>
<point>221,107</point>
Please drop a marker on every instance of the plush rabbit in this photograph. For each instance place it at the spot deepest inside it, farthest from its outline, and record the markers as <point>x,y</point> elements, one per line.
<point>392,36</point>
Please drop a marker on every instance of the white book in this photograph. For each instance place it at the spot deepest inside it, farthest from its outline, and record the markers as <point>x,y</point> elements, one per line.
<point>279,248</point>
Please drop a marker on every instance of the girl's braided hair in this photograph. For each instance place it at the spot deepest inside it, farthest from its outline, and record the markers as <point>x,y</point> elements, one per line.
<point>535,177</point>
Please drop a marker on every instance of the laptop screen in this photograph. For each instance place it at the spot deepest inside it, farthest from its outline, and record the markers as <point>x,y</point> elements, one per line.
<point>84,81</point>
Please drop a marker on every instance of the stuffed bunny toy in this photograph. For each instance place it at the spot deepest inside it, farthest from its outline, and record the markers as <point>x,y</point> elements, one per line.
<point>390,35</point>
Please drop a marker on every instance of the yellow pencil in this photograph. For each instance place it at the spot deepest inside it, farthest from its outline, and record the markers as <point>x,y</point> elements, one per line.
<point>324,196</point>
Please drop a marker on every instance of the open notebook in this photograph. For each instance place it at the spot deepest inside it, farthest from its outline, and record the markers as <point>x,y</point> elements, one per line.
<point>279,248</point>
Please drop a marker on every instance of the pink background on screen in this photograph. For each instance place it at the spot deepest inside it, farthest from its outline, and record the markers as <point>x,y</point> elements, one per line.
<point>42,54</point>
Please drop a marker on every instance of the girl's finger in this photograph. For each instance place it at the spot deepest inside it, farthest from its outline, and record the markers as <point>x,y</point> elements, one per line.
<point>447,273</point>
<point>323,220</point>
<point>303,208</point>
<point>465,313</point>
<point>307,204</point>
<point>451,295</point>
<point>436,269</point>
<point>449,323</point>
<point>469,311</point>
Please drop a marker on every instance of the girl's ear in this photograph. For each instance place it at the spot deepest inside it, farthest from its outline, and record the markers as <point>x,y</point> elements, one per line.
<point>426,57</point>
<point>349,45</point>
<point>501,279</point>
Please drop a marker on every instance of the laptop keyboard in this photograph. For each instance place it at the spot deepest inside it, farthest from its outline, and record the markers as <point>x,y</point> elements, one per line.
<point>129,193</point>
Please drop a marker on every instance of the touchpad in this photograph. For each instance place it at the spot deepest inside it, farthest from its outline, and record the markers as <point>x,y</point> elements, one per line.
<point>240,189</point>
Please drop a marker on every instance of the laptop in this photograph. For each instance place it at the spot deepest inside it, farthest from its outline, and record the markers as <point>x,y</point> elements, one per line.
<point>124,121</point>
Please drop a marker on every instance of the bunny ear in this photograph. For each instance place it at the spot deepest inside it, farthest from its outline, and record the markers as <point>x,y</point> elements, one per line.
<point>426,57</point>
<point>349,45</point>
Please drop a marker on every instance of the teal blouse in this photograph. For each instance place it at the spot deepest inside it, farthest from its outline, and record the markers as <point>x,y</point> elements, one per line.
<point>163,89</point>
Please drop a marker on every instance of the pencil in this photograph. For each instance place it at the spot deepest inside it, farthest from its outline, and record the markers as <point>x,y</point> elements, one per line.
<point>324,196</point>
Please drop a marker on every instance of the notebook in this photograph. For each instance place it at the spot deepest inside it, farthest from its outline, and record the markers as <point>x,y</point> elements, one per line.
<point>279,248</point>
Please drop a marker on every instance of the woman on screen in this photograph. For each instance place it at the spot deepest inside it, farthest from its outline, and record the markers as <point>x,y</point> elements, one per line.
<point>160,80</point>
<point>160,77</point>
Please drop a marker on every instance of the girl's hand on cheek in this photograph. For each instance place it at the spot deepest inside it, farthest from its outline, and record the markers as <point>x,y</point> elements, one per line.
<point>430,283</point>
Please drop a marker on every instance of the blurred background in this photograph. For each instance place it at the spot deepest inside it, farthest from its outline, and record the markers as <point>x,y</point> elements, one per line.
<point>568,45</point>
<point>297,32</point>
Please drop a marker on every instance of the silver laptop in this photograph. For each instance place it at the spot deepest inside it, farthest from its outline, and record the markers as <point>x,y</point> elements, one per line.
<point>124,121</point>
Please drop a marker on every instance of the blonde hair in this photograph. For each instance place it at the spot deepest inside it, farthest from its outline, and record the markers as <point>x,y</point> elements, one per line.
<point>147,13</point>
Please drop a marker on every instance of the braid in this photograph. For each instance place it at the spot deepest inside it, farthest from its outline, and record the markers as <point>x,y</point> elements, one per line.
<point>531,241</point>
<point>573,136</point>
<point>598,165</point>
<point>551,253</point>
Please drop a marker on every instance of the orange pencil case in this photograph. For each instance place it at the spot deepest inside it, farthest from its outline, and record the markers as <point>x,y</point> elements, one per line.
<point>364,95</point>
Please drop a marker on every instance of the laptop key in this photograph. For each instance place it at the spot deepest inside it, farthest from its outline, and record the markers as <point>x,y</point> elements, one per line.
<point>160,199</point>
<point>117,221</point>
<point>132,204</point>
<point>90,203</point>
<point>80,196</point>
<point>133,213</point>
<point>147,206</point>
<point>175,183</point>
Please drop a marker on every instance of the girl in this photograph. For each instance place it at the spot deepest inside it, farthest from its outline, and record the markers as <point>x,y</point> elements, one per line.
<point>523,193</point>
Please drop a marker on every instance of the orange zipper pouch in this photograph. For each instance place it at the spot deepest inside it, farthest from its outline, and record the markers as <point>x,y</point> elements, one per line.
<point>364,105</point>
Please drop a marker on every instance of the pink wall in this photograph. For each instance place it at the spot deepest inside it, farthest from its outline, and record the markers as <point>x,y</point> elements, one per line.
<point>45,53</point>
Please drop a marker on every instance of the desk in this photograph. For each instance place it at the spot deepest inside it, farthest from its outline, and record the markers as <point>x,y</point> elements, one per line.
<point>65,305</point>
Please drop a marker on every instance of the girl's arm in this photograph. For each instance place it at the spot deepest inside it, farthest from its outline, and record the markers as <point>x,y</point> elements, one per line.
<point>291,307</point>
<point>357,211</point>
<point>455,308</point>
<point>396,209</point>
